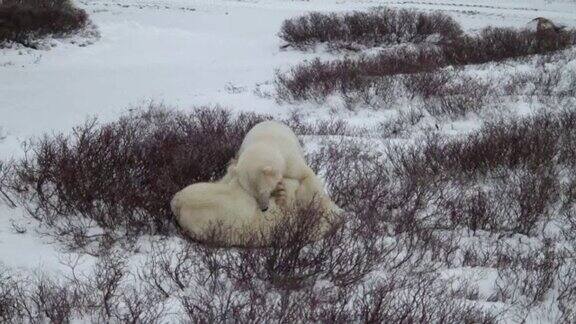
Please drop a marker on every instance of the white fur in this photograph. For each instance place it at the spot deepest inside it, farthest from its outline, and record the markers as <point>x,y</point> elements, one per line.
<point>269,153</point>
<point>202,207</point>
<point>242,203</point>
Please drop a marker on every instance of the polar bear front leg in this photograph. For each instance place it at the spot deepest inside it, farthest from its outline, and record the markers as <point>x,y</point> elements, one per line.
<point>279,194</point>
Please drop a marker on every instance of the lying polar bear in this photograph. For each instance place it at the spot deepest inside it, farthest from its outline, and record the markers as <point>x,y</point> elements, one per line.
<point>226,210</point>
<point>269,153</point>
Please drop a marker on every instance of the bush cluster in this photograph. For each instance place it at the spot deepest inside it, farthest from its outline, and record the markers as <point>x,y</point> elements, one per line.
<point>121,176</point>
<point>498,44</point>
<point>316,80</point>
<point>405,207</point>
<point>25,20</point>
<point>373,28</point>
<point>367,77</point>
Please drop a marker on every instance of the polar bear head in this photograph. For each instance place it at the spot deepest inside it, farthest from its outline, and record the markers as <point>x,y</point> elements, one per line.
<point>259,181</point>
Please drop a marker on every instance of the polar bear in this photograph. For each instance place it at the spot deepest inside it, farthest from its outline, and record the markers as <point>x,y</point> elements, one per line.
<point>225,210</point>
<point>269,153</point>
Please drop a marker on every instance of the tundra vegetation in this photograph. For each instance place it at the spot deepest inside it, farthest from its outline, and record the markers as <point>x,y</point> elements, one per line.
<point>24,21</point>
<point>475,228</point>
<point>426,64</point>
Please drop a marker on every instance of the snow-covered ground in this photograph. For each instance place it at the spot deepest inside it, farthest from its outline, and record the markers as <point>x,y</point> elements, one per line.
<point>183,53</point>
<point>217,53</point>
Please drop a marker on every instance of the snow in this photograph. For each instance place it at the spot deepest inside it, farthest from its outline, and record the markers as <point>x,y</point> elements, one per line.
<point>187,53</point>
<point>184,58</point>
<point>24,250</point>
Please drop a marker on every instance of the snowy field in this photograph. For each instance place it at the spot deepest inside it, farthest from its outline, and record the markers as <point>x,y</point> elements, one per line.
<point>187,53</point>
<point>188,57</point>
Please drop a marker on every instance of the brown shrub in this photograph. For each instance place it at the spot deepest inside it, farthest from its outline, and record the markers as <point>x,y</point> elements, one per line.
<point>400,126</point>
<point>122,175</point>
<point>427,84</point>
<point>526,279</point>
<point>250,285</point>
<point>498,44</point>
<point>317,80</point>
<point>102,295</point>
<point>404,206</point>
<point>5,170</point>
<point>462,96</point>
<point>373,28</point>
<point>507,177</point>
<point>24,20</point>
<point>555,85</point>
<point>532,143</point>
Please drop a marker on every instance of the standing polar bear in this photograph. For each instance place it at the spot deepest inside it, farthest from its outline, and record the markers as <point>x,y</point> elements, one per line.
<point>269,153</point>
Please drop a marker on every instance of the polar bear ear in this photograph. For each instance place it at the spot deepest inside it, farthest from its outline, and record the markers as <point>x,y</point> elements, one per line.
<point>268,170</point>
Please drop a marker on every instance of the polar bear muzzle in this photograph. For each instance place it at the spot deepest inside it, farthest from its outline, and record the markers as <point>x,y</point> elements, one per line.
<point>263,202</point>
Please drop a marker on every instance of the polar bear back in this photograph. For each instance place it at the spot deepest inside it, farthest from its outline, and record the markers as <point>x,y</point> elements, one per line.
<point>271,137</point>
<point>272,132</point>
<point>201,206</point>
